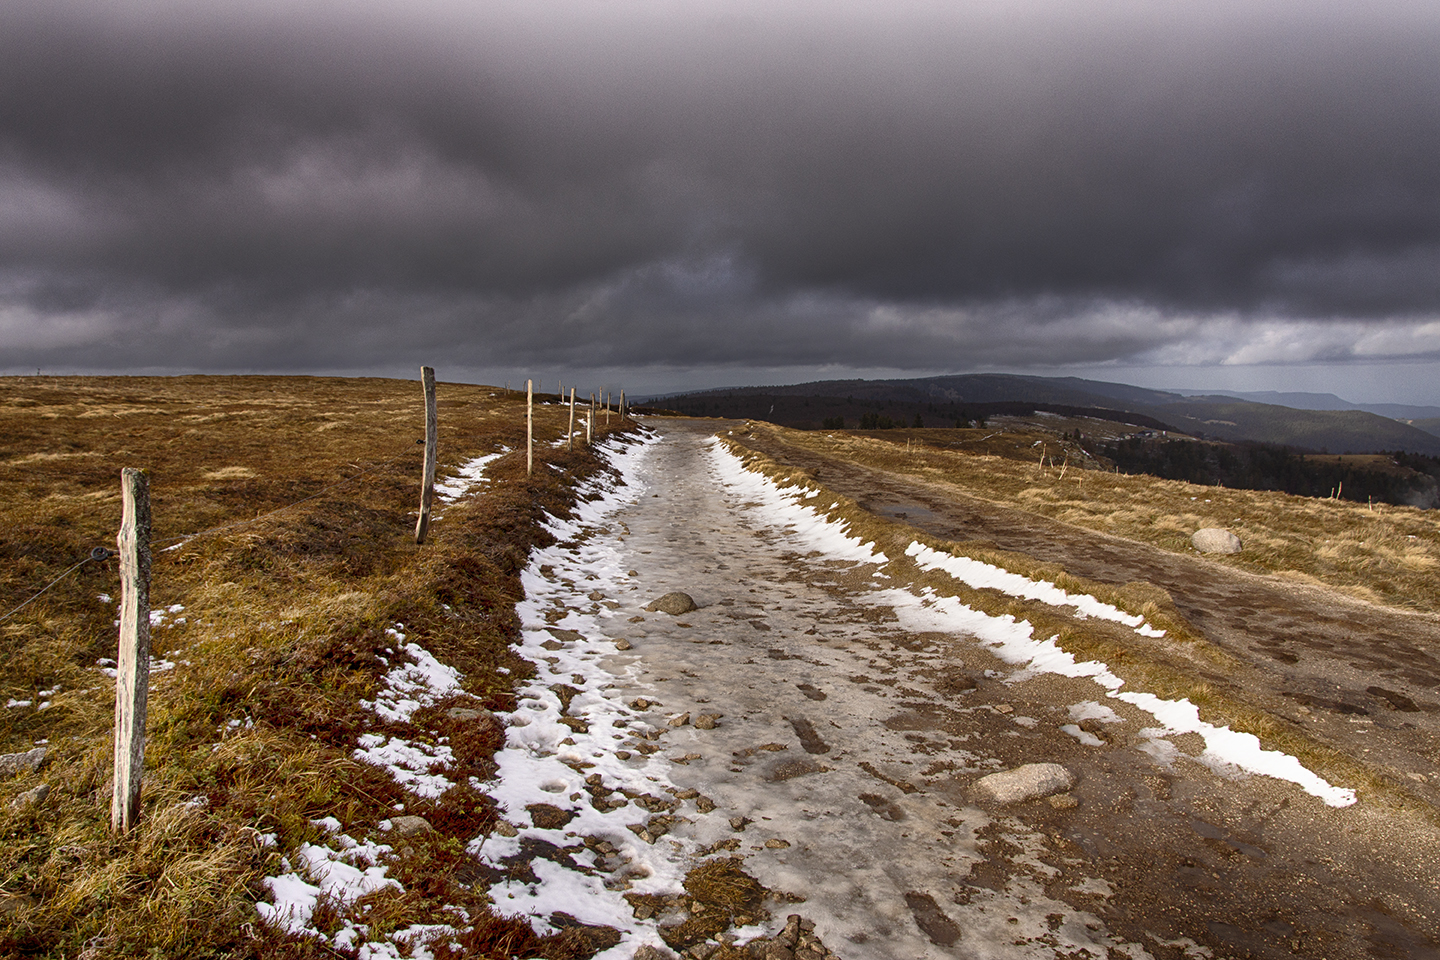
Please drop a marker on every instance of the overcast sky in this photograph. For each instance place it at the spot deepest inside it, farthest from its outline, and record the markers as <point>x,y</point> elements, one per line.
<point>1238,194</point>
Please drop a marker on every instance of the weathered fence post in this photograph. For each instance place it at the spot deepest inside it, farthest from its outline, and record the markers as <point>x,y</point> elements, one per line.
<point>529,426</point>
<point>427,483</point>
<point>571,434</point>
<point>622,406</point>
<point>132,673</point>
<point>607,408</point>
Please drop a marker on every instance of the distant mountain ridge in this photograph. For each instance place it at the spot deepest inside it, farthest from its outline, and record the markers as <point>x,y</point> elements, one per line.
<point>1218,416</point>
<point>1324,401</point>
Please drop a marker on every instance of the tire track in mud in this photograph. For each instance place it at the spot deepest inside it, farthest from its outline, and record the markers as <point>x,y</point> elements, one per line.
<point>837,755</point>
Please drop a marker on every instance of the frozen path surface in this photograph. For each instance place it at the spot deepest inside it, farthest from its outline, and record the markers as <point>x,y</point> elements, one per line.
<point>842,763</point>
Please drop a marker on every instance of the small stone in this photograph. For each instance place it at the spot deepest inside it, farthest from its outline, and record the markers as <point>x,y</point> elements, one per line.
<point>623,644</point>
<point>674,603</point>
<point>1063,801</point>
<point>636,620</point>
<point>31,798</point>
<point>702,951</point>
<point>707,721</point>
<point>1215,540</point>
<point>640,703</point>
<point>738,824</point>
<point>14,764</point>
<point>409,826</point>
<point>468,713</point>
<point>686,794</point>
<point>1028,782</point>
<point>704,804</point>
<point>778,951</point>
<point>505,829</point>
<point>596,595</point>
<point>632,573</point>
<point>680,721</point>
<point>775,843</point>
<point>553,645</point>
<point>623,754</point>
<point>1004,708</point>
<point>648,952</point>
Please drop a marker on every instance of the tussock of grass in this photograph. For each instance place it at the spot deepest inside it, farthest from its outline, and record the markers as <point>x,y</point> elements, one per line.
<point>251,734</point>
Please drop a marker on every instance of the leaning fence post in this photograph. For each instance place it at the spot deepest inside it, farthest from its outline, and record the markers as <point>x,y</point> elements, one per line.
<point>622,406</point>
<point>132,671</point>
<point>427,484</point>
<point>529,426</point>
<point>571,434</point>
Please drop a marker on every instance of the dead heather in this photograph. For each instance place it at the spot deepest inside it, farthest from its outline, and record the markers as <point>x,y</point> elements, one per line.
<point>1182,664</point>
<point>254,705</point>
<point>1381,553</point>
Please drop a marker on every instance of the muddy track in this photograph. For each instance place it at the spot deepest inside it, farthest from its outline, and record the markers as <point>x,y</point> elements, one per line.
<point>842,770</point>
<point>1359,677</point>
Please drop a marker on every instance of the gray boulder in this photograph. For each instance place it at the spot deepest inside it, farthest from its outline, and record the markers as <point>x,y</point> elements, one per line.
<point>31,798</point>
<point>674,604</point>
<point>1028,782</point>
<point>1215,540</point>
<point>14,764</point>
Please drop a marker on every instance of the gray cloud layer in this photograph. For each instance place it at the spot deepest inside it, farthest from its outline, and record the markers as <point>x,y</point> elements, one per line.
<point>342,185</point>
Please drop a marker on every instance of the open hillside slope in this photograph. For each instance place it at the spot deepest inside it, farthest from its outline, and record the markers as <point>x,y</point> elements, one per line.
<point>766,693</point>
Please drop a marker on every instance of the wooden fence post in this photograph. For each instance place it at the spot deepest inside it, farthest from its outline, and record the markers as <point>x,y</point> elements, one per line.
<point>571,434</point>
<point>622,406</point>
<point>132,673</point>
<point>529,426</point>
<point>607,408</point>
<point>427,483</point>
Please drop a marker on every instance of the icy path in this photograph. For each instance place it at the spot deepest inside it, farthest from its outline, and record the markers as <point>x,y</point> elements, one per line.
<point>809,773</point>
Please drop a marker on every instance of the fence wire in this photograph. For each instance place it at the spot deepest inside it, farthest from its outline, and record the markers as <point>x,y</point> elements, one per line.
<point>99,554</point>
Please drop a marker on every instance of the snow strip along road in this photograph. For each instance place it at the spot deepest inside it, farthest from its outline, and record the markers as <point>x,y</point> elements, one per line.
<point>827,727</point>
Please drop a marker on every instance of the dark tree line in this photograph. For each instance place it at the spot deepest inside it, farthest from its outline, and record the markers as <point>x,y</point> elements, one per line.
<point>1257,466</point>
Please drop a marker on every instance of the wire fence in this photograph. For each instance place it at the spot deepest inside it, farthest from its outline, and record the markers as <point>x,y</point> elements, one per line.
<point>101,554</point>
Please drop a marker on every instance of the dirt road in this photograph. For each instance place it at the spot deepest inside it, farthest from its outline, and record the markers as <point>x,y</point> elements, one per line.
<point>842,767</point>
<point>1360,677</point>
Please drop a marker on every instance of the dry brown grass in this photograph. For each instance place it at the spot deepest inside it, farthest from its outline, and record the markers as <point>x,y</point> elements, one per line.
<point>252,732</point>
<point>1384,554</point>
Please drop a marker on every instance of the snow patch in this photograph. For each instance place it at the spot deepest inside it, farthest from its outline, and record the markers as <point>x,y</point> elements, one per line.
<point>1013,641</point>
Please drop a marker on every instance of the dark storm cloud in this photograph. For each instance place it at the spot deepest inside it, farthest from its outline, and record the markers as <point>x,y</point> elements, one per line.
<point>639,183</point>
